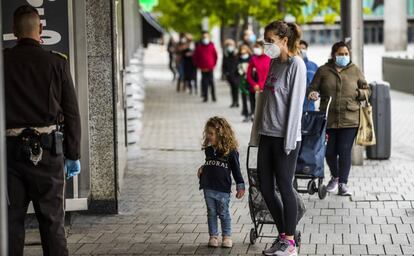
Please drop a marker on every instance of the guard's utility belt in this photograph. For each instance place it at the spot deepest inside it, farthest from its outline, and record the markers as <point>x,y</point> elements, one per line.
<point>18,131</point>
<point>30,143</point>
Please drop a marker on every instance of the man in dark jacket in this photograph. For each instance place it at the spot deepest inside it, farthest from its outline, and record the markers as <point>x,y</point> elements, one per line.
<point>205,58</point>
<point>39,94</point>
<point>229,69</point>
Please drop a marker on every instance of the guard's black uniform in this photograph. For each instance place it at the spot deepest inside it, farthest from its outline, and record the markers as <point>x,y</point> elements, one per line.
<point>38,86</point>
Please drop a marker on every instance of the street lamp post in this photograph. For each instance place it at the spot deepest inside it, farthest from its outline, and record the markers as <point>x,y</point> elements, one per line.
<point>3,204</point>
<point>352,26</point>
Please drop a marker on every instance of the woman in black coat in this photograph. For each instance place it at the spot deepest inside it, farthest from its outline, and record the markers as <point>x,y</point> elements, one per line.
<point>229,69</point>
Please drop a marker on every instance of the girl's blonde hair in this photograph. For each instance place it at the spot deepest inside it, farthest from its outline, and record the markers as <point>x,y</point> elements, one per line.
<point>226,140</point>
<point>245,47</point>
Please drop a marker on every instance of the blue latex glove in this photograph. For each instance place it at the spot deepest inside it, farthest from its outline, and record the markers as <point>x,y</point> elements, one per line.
<point>72,168</point>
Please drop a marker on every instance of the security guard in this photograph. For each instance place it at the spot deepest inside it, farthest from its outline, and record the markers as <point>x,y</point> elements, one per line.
<point>40,100</point>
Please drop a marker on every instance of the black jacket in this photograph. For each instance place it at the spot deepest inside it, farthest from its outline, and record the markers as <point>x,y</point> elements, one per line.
<point>217,171</point>
<point>38,87</point>
<point>229,68</point>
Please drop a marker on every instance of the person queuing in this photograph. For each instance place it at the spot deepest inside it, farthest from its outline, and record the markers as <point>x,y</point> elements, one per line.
<point>249,38</point>
<point>243,64</point>
<point>311,67</point>
<point>205,58</point>
<point>342,80</point>
<point>280,131</point>
<point>171,46</point>
<point>229,69</point>
<point>257,72</point>
<point>179,59</point>
<point>190,70</point>
<point>39,97</point>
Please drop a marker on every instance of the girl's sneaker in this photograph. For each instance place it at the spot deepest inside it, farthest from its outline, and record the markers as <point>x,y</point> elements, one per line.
<point>213,242</point>
<point>286,249</point>
<point>227,242</point>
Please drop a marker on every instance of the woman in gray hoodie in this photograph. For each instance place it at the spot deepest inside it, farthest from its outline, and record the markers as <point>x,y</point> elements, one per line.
<point>280,130</point>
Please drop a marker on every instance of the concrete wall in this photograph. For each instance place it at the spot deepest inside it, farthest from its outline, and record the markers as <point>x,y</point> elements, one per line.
<point>105,119</point>
<point>399,73</point>
<point>395,25</point>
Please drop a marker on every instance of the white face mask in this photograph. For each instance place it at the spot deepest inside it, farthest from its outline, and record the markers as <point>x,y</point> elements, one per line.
<point>230,49</point>
<point>205,41</point>
<point>272,50</point>
<point>244,56</point>
<point>303,53</point>
<point>257,51</point>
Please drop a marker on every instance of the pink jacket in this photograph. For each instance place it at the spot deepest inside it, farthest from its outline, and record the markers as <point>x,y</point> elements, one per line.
<point>205,56</point>
<point>261,66</point>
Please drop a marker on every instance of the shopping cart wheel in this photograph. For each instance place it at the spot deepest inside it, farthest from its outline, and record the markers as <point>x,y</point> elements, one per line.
<point>253,236</point>
<point>298,238</point>
<point>312,188</point>
<point>322,192</point>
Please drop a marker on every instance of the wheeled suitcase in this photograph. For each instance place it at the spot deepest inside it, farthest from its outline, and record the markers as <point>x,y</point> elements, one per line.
<point>381,112</point>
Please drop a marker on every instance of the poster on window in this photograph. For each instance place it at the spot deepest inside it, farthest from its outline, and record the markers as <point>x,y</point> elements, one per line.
<point>53,16</point>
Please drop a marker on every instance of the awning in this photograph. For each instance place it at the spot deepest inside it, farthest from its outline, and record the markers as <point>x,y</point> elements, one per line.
<point>151,29</point>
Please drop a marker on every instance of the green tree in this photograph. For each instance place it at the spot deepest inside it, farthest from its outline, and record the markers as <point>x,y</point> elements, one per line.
<point>186,15</point>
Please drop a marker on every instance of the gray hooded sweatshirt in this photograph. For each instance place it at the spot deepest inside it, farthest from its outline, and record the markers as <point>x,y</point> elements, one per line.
<point>284,94</point>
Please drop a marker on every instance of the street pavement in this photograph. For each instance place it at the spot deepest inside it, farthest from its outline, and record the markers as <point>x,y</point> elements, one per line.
<point>162,211</point>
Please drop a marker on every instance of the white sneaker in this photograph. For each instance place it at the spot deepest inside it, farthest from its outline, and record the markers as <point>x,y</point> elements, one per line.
<point>227,242</point>
<point>344,190</point>
<point>286,249</point>
<point>213,242</point>
<point>332,185</point>
<point>273,248</point>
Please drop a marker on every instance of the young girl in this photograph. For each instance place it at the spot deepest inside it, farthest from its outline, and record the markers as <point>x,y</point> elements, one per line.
<point>222,158</point>
<point>244,58</point>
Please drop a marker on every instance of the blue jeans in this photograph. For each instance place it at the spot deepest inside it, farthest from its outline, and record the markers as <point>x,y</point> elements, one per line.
<point>218,204</point>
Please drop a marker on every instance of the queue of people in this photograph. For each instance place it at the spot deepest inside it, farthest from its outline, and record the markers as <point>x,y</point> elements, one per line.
<point>186,56</point>
<point>245,70</point>
<point>290,83</point>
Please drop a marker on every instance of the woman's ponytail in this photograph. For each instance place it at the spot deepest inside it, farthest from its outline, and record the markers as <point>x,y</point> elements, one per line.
<point>294,38</point>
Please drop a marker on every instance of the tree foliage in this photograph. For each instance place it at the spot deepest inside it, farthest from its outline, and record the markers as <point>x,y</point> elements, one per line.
<point>186,15</point>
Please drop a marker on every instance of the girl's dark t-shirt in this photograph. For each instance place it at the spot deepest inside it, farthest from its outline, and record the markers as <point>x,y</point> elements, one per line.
<point>217,169</point>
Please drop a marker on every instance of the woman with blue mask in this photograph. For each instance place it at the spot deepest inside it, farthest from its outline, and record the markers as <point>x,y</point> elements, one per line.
<point>342,80</point>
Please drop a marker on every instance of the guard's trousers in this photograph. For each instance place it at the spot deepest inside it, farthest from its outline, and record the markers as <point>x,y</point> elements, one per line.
<point>44,186</point>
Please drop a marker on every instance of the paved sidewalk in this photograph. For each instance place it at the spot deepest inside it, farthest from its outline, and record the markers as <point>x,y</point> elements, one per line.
<point>162,212</point>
